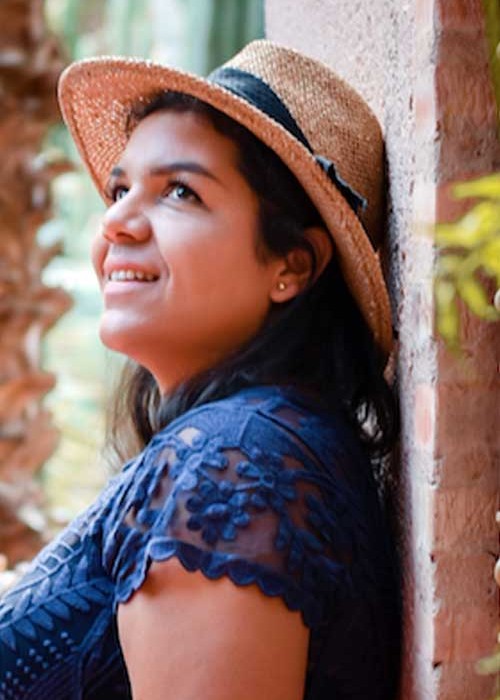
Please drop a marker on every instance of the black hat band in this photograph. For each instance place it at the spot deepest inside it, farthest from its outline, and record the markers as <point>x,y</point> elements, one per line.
<point>258,93</point>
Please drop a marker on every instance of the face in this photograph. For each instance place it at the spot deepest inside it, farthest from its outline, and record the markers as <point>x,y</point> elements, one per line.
<point>176,262</point>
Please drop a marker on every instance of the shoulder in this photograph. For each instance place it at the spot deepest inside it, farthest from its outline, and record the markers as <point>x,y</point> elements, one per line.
<point>231,488</point>
<point>254,486</point>
<point>269,416</point>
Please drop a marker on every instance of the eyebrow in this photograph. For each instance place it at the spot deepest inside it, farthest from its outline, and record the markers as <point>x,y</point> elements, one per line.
<point>168,168</point>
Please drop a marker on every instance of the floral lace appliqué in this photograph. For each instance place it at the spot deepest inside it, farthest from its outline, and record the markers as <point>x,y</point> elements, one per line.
<point>192,459</point>
<point>218,510</point>
<point>273,485</point>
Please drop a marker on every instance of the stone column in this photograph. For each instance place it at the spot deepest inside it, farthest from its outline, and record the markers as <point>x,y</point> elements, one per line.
<point>422,66</point>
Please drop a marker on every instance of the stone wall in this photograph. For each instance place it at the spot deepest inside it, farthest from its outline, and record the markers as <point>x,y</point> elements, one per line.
<point>422,66</point>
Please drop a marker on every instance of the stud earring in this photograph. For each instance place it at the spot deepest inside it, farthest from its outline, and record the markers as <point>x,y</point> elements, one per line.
<point>281,286</point>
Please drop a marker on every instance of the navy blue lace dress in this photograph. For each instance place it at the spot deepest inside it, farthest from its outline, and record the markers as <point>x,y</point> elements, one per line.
<point>261,487</point>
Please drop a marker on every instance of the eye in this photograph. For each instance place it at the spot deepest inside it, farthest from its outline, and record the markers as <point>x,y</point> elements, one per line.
<point>116,192</point>
<point>180,191</point>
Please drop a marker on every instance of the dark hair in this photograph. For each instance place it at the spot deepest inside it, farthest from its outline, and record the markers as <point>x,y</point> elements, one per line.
<point>318,341</point>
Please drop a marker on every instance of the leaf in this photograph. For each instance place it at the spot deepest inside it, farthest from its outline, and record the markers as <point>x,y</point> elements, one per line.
<point>102,585</point>
<point>43,619</point>
<point>241,519</point>
<point>74,600</point>
<point>247,469</point>
<point>43,591</point>
<point>94,594</point>
<point>489,665</point>
<point>64,577</point>
<point>447,316</point>
<point>449,263</point>
<point>7,636</point>
<point>80,570</point>
<point>445,292</point>
<point>60,609</point>
<point>475,227</point>
<point>257,501</point>
<point>488,187</point>
<point>490,258</point>
<point>283,537</point>
<point>474,295</point>
<point>22,604</point>
<point>229,532</point>
<point>24,627</point>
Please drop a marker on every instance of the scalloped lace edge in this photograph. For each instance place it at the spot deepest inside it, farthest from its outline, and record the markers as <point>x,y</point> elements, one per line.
<point>193,559</point>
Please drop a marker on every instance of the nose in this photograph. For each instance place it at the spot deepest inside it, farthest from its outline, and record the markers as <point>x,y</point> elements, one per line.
<point>125,222</point>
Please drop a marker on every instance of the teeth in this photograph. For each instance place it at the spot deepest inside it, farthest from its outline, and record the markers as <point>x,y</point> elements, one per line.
<point>126,275</point>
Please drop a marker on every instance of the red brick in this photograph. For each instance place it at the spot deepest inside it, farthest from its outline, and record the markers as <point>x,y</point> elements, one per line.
<point>464,633</point>
<point>473,464</point>
<point>466,15</point>
<point>465,518</point>
<point>465,106</point>
<point>468,368</point>
<point>468,154</point>
<point>482,338</point>
<point>464,579</point>
<point>464,97</point>
<point>459,681</point>
<point>466,53</point>
<point>463,368</point>
<point>467,413</point>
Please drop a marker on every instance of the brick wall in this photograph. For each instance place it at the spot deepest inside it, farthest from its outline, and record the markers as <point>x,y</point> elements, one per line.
<point>468,393</point>
<point>422,66</point>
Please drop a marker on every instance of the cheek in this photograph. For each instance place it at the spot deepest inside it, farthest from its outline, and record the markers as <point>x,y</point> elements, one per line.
<point>215,269</point>
<point>98,249</point>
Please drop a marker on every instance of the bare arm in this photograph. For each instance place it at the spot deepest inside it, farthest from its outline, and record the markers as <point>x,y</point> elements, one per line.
<point>186,637</point>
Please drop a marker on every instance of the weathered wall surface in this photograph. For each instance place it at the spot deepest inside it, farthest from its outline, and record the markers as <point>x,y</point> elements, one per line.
<point>422,67</point>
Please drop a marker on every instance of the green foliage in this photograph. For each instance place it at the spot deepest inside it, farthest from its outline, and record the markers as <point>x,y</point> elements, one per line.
<point>469,256</point>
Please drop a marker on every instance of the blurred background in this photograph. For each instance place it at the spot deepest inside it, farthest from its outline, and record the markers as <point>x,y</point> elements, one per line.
<point>51,464</point>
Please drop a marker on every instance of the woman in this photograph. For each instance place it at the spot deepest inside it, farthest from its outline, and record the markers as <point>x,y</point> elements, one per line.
<point>243,553</point>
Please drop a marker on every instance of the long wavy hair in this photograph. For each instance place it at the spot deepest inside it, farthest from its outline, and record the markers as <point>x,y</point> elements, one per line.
<point>318,341</point>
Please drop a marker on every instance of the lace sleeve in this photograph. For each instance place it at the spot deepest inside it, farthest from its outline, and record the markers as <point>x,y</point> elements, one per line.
<point>238,498</point>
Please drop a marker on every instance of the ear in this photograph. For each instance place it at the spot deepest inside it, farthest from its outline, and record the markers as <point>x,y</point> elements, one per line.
<point>294,271</point>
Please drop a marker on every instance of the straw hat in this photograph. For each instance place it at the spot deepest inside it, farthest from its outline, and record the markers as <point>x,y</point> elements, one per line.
<point>316,123</point>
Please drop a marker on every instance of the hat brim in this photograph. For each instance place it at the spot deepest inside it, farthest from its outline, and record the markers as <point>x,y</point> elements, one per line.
<point>96,96</point>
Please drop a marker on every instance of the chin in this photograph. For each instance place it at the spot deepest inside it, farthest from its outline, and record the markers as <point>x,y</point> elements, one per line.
<point>120,340</point>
